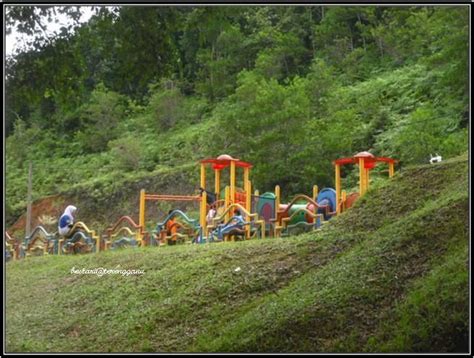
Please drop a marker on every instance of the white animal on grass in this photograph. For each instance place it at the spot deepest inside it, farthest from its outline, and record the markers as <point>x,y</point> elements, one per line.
<point>436,159</point>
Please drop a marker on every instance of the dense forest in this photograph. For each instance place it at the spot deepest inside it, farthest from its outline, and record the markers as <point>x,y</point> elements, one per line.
<point>136,91</point>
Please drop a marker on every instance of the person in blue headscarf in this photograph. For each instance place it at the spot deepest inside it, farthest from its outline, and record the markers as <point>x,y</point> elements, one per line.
<point>66,221</point>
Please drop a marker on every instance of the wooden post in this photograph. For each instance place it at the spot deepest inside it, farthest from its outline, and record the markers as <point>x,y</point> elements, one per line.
<point>338,188</point>
<point>28,207</point>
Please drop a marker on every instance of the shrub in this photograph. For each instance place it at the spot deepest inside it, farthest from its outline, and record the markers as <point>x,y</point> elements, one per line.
<point>126,152</point>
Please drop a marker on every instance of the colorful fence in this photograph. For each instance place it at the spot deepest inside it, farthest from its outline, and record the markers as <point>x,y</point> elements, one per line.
<point>183,229</point>
<point>124,233</point>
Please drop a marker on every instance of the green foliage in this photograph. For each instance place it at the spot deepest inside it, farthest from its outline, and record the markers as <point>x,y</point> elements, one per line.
<point>99,118</point>
<point>275,115</point>
<point>30,19</point>
<point>290,89</point>
<point>220,64</point>
<point>166,106</point>
<point>19,142</point>
<point>281,59</point>
<point>423,137</point>
<point>126,153</point>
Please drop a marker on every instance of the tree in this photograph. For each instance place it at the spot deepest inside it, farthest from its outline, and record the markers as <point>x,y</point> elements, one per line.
<point>99,119</point>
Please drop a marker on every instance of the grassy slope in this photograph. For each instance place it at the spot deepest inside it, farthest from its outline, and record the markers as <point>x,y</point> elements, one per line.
<point>391,277</point>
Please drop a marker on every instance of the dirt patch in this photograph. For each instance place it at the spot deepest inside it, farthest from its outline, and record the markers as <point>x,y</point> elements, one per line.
<point>45,211</point>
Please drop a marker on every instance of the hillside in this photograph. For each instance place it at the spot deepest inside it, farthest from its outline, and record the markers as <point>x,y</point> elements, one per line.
<point>389,275</point>
<point>104,201</point>
<point>106,107</point>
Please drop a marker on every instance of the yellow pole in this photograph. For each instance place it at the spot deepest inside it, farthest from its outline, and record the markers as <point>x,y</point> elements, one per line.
<point>343,194</point>
<point>367,179</point>
<point>391,169</point>
<point>141,217</point>
<point>246,177</point>
<point>277,207</point>
<point>315,192</point>
<point>202,214</point>
<point>227,202</point>
<point>361,177</point>
<point>202,204</point>
<point>247,187</point>
<point>338,187</point>
<point>217,187</point>
<point>232,181</point>
<point>248,196</point>
<point>277,199</point>
<point>203,176</point>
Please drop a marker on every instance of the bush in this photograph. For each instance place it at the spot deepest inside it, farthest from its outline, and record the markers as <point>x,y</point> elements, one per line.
<point>126,152</point>
<point>165,105</point>
<point>100,118</point>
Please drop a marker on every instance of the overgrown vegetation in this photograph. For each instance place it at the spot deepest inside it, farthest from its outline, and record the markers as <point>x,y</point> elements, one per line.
<point>389,275</point>
<point>290,89</point>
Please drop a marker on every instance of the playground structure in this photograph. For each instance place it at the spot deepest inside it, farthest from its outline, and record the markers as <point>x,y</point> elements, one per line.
<point>231,195</point>
<point>80,240</point>
<point>159,234</point>
<point>301,211</point>
<point>278,219</point>
<point>185,229</point>
<point>125,232</point>
<point>250,228</point>
<point>264,215</point>
<point>39,243</point>
<point>366,162</point>
<point>11,248</point>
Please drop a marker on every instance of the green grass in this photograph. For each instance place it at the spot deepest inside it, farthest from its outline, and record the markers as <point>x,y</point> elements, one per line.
<point>390,275</point>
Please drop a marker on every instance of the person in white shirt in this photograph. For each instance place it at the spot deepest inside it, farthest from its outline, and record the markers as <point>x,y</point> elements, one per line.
<point>210,215</point>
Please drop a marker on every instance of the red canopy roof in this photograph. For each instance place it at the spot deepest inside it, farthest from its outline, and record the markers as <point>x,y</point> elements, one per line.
<point>368,158</point>
<point>224,160</point>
